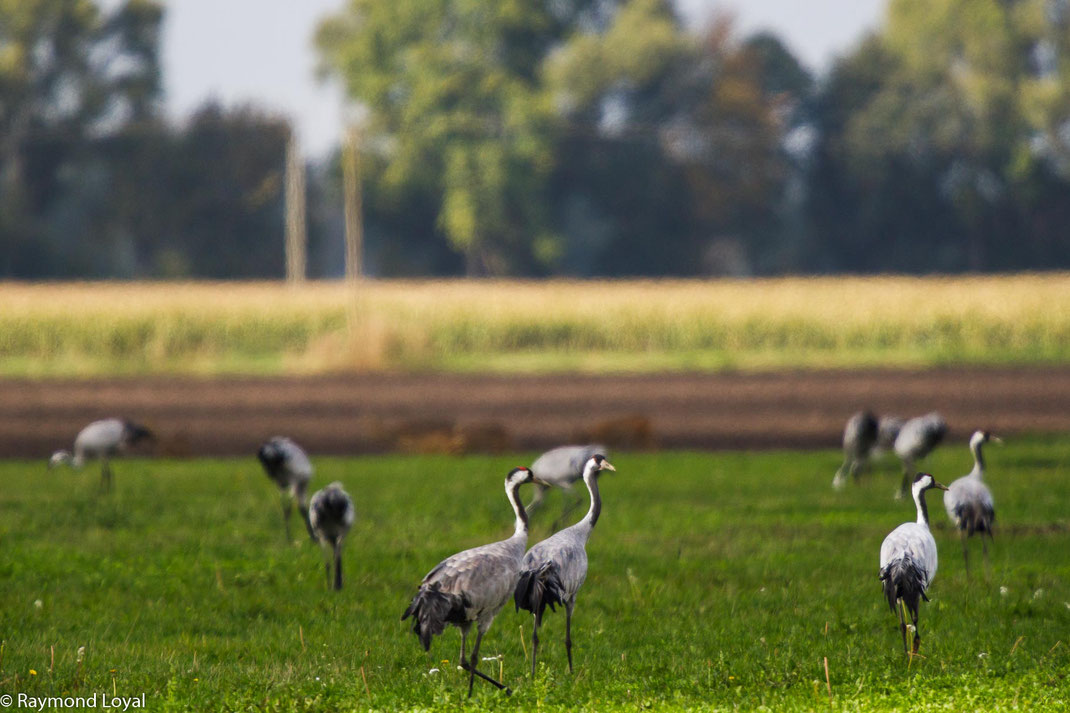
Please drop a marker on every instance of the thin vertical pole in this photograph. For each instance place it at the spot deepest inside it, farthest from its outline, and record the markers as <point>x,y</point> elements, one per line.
<point>354,209</point>
<point>296,237</point>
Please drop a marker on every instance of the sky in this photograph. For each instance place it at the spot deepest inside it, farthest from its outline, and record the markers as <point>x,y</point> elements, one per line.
<point>260,51</point>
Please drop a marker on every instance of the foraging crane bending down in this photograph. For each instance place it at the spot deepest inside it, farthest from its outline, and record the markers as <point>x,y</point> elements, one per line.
<point>330,515</point>
<point>560,468</point>
<point>288,465</point>
<point>555,569</point>
<point>908,561</point>
<point>968,500</point>
<point>473,586</point>
<point>859,438</point>
<point>917,438</point>
<point>103,440</point>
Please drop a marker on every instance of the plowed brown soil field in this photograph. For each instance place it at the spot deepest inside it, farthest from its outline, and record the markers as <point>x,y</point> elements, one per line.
<point>441,412</point>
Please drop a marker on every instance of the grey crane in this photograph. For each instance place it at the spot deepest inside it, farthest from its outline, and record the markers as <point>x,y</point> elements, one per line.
<point>554,570</point>
<point>330,515</point>
<point>289,467</point>
<point>102,440</point>
<point>473,586</point>
<point>908,561</point>
<point>917,439</point>
<point>561,467</point>
<point>859,438</point>
<point>968,500</point>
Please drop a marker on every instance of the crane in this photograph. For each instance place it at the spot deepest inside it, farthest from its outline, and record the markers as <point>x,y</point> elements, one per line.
<point>859,438</point>
<point>968,500</point>
<point>289,467</point>
<point>473,586</point>
<point>561,467</point>
<point>330,515</point>
<point>102,440</point>
<point>908,561</point>
<point>554,570</point>
<point>917,439</point>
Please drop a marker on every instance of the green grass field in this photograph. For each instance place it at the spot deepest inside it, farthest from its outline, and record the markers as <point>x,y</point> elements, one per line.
<point>718,581</point>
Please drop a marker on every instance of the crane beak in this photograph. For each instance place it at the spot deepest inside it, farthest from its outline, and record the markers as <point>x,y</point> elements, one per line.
<point>606,465</point>
<point>540,481</point>
<point>996,439</point>
<point>939,486</point>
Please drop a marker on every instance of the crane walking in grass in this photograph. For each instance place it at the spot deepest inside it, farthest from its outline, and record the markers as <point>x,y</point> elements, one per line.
<point>289,467</point>
<point>859,438</point>
<point>554,570</point>
<point>908,561</point>
<point>560,468</point>
<point>917,439</point>
<point>968,500</point>
<point>471,587</point>
<point>102,440</point>
<point>330,515</point>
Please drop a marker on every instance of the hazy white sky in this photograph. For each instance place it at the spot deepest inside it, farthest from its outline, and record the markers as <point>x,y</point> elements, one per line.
<point>260,51</point>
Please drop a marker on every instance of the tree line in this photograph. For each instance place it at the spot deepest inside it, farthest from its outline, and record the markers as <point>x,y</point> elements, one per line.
<point>552,137</point>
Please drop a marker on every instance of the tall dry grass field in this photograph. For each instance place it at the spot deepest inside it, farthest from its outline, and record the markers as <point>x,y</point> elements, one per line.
<point>107,328</point>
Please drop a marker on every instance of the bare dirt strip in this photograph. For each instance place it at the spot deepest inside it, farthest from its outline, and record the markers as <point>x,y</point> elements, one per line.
<point>367,413</point>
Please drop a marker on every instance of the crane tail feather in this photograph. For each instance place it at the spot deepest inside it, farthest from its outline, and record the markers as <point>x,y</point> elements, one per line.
<point>538,589</point>
<point>431,609</point>
<point>903,579</point>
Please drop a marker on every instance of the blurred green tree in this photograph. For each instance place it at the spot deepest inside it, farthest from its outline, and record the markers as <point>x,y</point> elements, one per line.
<point>69,73</point>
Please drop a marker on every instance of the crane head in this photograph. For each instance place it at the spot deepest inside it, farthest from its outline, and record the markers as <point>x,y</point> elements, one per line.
<point>924,481</point>
<point>520,475</point>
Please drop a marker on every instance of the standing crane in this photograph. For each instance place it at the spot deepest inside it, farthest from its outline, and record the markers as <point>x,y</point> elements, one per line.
<point>102,440</point>
<point>859,438</point>
<point>968,500</point>
<point>560,468</point>
<point>330,515</point>
<point>917,439</point>
<point>554,570</point>
<point>908,561</point>
<point>473,586</point>
<point>288,465</point>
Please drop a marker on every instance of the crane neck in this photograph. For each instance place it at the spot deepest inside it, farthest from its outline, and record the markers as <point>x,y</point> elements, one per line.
<point>978,459</point>
<point>513,493</point>
<point>591,480</point>
<point>923,509</point>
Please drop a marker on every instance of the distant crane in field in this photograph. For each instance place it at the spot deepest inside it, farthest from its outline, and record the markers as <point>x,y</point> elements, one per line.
<point>859,438</point>
<point>917,439</point>
<point>561,467</point>
<point>288,465</point>
<point>330,515</point>
<point>968,500</point>
<point>473,586</point>
<point>908,561</point>
<point>102,440</point>
<point>554,570</point>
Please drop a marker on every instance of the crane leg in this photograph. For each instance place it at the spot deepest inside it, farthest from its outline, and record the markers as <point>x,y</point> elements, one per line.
<point>105,476</point>
<point>287,507</point>
<point>984,550</point>
<point>902,623</point>
<point>534,642</point>
<point>917,635</point>
<point>904,487</point>
<point>965,553</point>
<point>840,479</point>
<point>464,641</point>
<point>473,671</point>
<point>568,633</point>
<point>337,565</point>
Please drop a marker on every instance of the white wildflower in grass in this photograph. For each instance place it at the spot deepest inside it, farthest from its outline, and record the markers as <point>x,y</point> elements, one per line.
<point>81,654</point>
<point>38,604</point>
<point>1003,591</point>
<point>432,672</point>
<point>982,655</point>
<point>1038,594</point>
